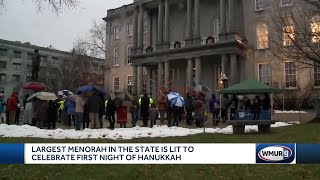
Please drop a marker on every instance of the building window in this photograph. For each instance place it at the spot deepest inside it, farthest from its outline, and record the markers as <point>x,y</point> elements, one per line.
<point>288,32</point>
<point>116,57</point>
<point>116,32</point>
<point>44,58</point>
<point>130,84</point>
<point>316,73</point>
<point>260,5</point>
<point>3,52</point>
<point>129,60</point>
<point>216,29</point>
<point>17,54</point>
<point>2,77</point>
<point>15,78</point>
<point>264,73</point>
<point>3,64</point>
<point>315,28</point>
<point>116,84</point>
<point>30,56</point>
<point>54,60</point>
<point>146,22</point>
<point>286,2</point>
<point>290,75</point>
<point>129,29</point>
<point>16,66</point>
<point>262,35</point>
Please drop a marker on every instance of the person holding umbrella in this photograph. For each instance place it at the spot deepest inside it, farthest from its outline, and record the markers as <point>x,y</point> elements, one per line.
<point>80,102</point>
<point>70,109</point>
<point>93,104</point>
<point>52,114</point>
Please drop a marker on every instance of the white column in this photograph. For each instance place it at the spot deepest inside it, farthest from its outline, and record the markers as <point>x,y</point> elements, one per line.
<point>190,75</point>
<point>167,23</point>
<point>160,23</point>
<point>198,71</point>
<point>135,82</point>
<point>223,16</point>
<point>135,28</point>
<point>224,64</point>
<point>140,28</point>
<point>232,16</point>
<point>197,18</point>
<point>160,75</point>
<point>233,69</point>
<point>166,74</point>
<point>189,19</point>
<point>139,80</point>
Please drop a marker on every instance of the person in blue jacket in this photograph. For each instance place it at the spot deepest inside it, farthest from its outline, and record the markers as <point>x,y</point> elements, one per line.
<point>69,107</point>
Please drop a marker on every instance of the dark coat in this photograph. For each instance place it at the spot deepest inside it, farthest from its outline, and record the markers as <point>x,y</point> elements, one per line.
<point>42,110</point>
<point>94,103</point>
<point>153,114</point>
<point>189,104</point>
<point>52,110</point>
<point>111,107</point>
<point>145,101</point>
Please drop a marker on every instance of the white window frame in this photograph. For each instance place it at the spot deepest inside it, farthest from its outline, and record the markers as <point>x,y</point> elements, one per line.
<point>315,29</point>
<point>130,86</point>
<point>261,37</point>
<point>129,54</point>
<point>285,34</point>
<point>260,2</point>
<point>114,85</point>
<point>265,73</point>
<point>129,30</point>
<point>116,57</point>
<point>288,3</point>
<point>285,76</point>
<point>15,75</point>
<point>3,75</point>
<point>54,60</point>
<point>314,77</point>
<point>17,52</point>
<point>116,31</point>
<point>16,66</point>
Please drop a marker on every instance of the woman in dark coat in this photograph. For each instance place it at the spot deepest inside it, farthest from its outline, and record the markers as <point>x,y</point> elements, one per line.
<point>145,102</point>
<point>42,113</point>
<point>86,120</point>
<point>255,109</point>
<point>111,110</point>
<point>52,114</point>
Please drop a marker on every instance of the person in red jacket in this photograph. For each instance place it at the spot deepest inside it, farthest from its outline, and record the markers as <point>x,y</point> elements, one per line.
<point>12,107</point>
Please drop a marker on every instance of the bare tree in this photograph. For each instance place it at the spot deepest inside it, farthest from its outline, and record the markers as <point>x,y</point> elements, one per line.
<point>296,33</point>
<point>57,6</point>
<point>94,44</point>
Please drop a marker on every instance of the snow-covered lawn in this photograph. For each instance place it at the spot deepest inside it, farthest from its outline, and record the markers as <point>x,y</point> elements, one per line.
<point>291,111</point>
<point>117,134</point>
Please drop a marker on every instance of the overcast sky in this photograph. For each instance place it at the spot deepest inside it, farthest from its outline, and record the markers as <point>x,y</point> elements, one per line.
<point>20,21</point>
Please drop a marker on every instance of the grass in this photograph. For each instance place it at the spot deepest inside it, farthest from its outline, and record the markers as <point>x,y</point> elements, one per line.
<point>306,133</point>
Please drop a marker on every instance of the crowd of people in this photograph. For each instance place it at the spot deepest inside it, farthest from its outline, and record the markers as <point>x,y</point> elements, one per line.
<point>90,110</point>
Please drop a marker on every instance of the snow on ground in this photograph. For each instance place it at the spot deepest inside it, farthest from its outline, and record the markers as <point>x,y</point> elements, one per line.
<point>117,134</point>
<point>291,111</point>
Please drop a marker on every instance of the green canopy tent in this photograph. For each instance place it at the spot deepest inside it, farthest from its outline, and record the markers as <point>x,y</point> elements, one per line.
<point>251,87</point>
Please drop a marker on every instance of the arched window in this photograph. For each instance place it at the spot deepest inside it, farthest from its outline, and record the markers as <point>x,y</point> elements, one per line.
<point>315,28</point>
<point>262,35</point>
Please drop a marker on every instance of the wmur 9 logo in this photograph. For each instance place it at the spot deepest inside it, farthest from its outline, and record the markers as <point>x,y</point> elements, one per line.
<point>275,153</point>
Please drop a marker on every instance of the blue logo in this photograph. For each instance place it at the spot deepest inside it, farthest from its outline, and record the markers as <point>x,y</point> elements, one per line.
<point>275,153</point>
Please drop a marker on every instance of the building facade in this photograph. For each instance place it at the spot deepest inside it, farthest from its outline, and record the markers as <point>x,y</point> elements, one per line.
<point>16,64</point>
<point>193,42</point>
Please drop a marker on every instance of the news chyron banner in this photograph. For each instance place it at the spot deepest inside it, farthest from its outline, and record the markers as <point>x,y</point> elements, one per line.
<point>159,153</point>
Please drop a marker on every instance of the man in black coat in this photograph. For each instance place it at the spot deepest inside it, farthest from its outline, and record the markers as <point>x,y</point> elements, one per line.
<point>93,104</point>
<point>145,102</point>
<point>111,110</point>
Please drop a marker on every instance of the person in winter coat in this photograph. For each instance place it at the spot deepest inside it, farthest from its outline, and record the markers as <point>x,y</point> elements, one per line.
<point>80,102</point>
<point>162,103</point>
<point>199,111</point>
<point>41,113</point>
<point>122,116</point>
<point>224,108</point>
<point>153,114</point>
<point>255,109</point>
<point>111,110</point>
<point>52,114</point>
<point>266,102</point>
<point>169,111</point>
<point>176,112</point>
<point>189,109</point>
<point>17,112</point>
<point>233,107</point>
<point>28,113</point>
<point>12,107</point>
<point>94,107</point>
<point>145,101</point>
<point>86,119</point>
<point>70,108</point>
<point>214,109</point>
<point>2,108</point>
<point>102,110</point>
<point>134,110</point>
